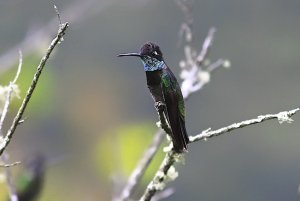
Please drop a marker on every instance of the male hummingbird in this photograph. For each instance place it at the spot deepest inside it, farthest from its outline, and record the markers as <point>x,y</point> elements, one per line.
<point>165,90</point>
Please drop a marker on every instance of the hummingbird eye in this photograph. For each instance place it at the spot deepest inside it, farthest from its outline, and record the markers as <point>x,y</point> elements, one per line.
<point>154,53</point>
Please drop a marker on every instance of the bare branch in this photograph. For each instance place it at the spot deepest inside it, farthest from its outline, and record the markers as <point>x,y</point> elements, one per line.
<point>191,84</point>
<point>196,72</point>
<point>57,13</point>
<point>216,64</point>
<point>158,182</point>
<point>192,67</point>
<point>5,157</point>
<point>9,92</point>
<point>161,177</point>
<point>206,46</point>
<point>142,166</point>
<point>282,117</point>
<point>9,178</point>
<point>6,106</point>
<point>18,117</point>
<point>19,67</point>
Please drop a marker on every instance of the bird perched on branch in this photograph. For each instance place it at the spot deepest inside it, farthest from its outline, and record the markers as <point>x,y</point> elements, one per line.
<point>165,91</point>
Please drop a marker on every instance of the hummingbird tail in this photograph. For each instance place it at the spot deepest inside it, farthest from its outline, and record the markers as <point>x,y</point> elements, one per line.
<point>179,135</point>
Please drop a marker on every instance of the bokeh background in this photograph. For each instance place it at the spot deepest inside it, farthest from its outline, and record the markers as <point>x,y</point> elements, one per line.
<point>92,116</point>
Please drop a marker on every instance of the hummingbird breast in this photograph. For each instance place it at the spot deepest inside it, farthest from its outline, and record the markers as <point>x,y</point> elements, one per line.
<point>154,85</point>
<point>153,77</point>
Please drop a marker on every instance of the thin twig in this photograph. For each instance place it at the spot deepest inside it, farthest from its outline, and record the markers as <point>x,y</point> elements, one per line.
<point>157,183</point>
<point>34,82</point>
<point>160,178</point>
<point>76,12</point>
<point>192,66</point>
<point>9,178</point>
<point>282,117</point>
<point>9,92</point>
<point>5,156</point>
<point>57,13</point>
<point>19,66</point>
<point>142,166</point>
<point>10,165</point>
<point>6,107</point>
<point>22,120</point>
<point>215,65</point>
<point>206,46</point>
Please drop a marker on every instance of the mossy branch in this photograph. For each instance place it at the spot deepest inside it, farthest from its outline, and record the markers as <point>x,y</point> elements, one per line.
<point>163,175</point>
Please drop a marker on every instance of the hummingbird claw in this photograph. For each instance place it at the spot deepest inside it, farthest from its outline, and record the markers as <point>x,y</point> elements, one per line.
<point>159,105</point>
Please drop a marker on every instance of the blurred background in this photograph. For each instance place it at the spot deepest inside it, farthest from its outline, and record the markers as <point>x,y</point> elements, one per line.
<point>92,116</point>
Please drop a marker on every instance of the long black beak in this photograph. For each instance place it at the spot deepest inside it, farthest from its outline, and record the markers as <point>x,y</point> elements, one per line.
<point>129,55</point>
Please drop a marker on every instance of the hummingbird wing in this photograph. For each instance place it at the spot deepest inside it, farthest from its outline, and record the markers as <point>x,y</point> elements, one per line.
<point>175,110</point>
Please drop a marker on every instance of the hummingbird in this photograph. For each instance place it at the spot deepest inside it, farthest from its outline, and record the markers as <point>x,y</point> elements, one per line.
<point>165,91</point>
<point>30,182</point>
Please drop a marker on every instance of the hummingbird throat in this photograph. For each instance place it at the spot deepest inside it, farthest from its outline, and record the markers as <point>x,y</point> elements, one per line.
<point>152,64</point>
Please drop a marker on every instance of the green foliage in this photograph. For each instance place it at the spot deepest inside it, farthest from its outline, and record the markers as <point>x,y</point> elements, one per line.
<point>120,150</point>
<point>3,189</point>
<point>43,94</point>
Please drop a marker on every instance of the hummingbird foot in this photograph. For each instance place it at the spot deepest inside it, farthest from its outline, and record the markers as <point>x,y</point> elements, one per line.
<point>159,105</point>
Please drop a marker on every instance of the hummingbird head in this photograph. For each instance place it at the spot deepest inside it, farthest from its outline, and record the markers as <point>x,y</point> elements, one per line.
<point>36,164</point>
<point>150,55</point>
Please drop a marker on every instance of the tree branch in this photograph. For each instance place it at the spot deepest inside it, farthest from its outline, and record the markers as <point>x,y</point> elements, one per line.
<point>5,157</point>
<point>10,165</point>
<point>141,167</point>
<point>281,117</point>
<point>9,93</point>
<point>206,46</point>
<point>164,174</point>
<point>158,182</point>
<point>6,140</point>
<point>192,82</point>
